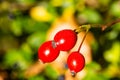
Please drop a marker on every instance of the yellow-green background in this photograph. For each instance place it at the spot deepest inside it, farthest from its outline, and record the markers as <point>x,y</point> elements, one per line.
<point>21,35</point>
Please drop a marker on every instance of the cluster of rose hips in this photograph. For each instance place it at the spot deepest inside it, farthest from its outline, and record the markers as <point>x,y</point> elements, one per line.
<point>64,40</point>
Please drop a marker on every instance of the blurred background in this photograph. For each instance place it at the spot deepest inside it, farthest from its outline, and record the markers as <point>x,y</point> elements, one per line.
<point>26,24</point>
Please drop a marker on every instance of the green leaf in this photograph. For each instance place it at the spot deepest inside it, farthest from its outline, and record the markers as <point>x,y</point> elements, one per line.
<point>30,26</point>
<point>93,72</point>
<point>91,16</point>
<point>50,72</point>
<point>115,9</point>
<point>16,27</point>
<point>93,66</point>
<point>13,57</point>
<point>38,77</point>
<point>26,51</point>
<point>113,54</point>
<point>36,39</point>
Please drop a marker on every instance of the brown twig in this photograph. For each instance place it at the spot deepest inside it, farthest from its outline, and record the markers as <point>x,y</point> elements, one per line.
<point>103,27</point>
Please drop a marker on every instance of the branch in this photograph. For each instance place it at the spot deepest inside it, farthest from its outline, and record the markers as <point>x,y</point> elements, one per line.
<point>104,27</point>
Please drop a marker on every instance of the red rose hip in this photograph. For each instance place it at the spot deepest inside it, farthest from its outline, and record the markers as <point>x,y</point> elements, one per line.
<point>65,39</point>
<point>47,52</point>
<point>75,62</point>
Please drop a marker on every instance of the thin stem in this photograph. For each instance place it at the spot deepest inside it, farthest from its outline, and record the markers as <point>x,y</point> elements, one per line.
<point>82,41</point>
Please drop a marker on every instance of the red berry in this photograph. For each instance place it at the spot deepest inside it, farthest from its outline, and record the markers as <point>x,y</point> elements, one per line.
<point>48,52</point>
<point>65,39</point>
<point>76,62</point>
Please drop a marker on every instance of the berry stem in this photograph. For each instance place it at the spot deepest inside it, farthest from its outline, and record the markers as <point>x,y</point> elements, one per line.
<point>88,26</point>
<point>83,40</point>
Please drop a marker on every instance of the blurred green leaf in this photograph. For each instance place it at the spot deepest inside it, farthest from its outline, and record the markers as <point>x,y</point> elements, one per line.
<point>93,66</point>
<point>36,39</point>
<point>38,77</point>
<point>16,27</point>
<point>56,3</point>
<point>26,2</point>
<point>26,51</point>
<point>115,9</point>
<point>94,46</point>
<point>113,54</point>
<point>50,72</point>
<point>104,2</point>
<point>112,35</point>
<point>91,16</point>
<point>95,76</point>
<point>112,70</point>
<point>30,25</point>
<point>116,27</point>
<point>13,57</point>
<point>93,72</point>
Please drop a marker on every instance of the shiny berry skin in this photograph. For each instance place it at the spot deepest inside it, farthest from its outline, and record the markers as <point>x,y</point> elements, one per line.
<point>75,62</point>
<point>47,52</point>
<point>65,39</point>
